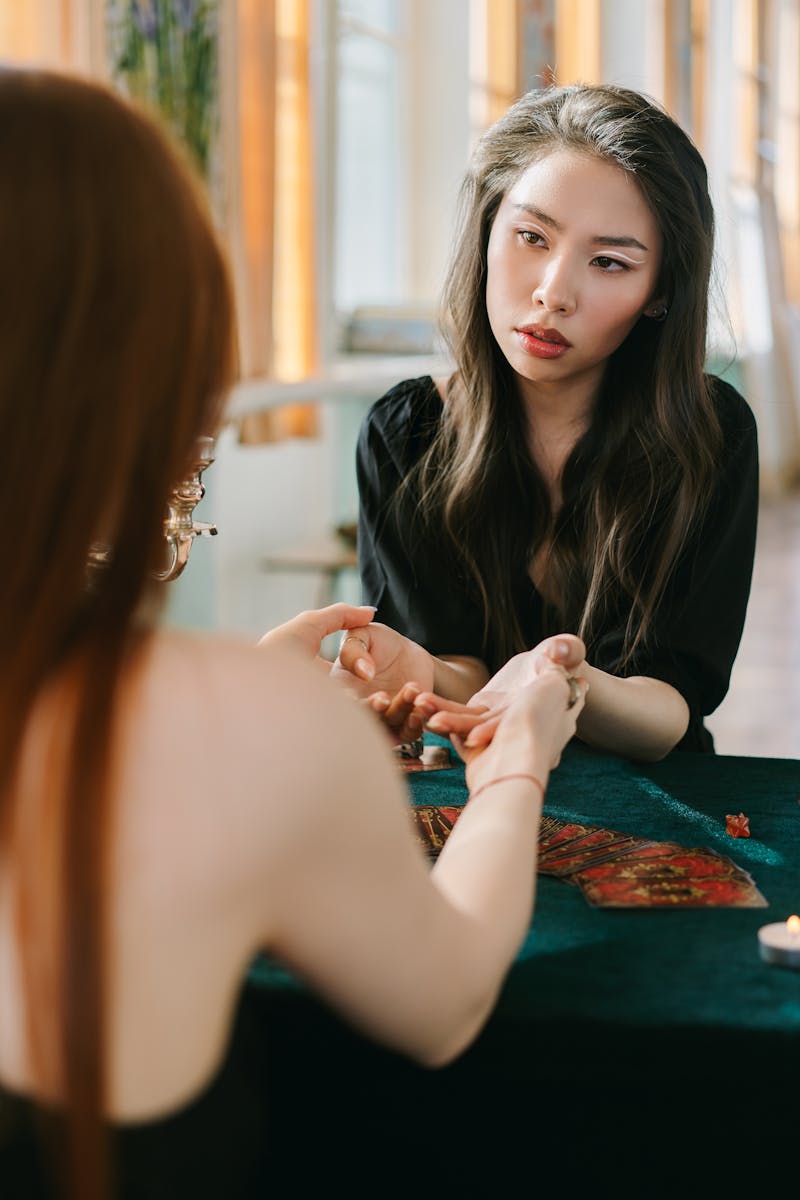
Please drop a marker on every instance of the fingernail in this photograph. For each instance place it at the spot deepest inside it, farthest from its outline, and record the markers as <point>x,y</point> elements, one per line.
<point>425,707</point>
<point>364,669</point>
<point>561,650</point>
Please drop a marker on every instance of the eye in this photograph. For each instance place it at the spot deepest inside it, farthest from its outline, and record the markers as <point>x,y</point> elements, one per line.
<point>610,265</point>
<point>531,238</point>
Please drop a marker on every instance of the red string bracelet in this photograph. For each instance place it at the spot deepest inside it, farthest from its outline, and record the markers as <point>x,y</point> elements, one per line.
<point>502,779</point>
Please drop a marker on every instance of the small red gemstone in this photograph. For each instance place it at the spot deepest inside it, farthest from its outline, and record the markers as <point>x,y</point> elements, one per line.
<point>737,826</point>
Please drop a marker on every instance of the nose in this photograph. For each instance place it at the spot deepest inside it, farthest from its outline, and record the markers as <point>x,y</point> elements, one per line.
<point>555,291</point>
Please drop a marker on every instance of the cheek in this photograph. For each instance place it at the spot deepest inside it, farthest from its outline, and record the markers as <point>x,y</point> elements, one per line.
<point>618,318</point>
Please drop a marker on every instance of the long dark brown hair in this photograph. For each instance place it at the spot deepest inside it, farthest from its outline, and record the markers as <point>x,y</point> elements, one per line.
<point>637,481</point>
<point>116,352</point>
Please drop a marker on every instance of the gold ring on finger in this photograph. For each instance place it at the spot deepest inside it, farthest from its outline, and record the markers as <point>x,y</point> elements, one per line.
<point>353,638</point>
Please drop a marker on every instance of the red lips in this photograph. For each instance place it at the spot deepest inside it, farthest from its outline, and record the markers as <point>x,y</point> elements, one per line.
<point>540,342</point>
<point>545,335</point>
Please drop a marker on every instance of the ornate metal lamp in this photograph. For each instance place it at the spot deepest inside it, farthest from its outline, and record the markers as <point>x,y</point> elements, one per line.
<point>179,528</point>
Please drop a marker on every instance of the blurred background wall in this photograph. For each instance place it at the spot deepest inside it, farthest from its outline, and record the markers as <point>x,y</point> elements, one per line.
<point>332,135</point>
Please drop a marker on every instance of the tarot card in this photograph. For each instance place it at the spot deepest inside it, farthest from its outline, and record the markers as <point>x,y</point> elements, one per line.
<point>693,878</point>
<point>432,824</point>
<point>548,825</point>
<point>680,863</point>
<point>601,846</point>
<point>673,892</point>
<point>433,758</point>
<point>650,850</point>
<point>561,835</point>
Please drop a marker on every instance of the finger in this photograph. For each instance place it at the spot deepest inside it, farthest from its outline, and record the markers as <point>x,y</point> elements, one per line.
<point>577,685</point>
<point>458,745</point>
<point>400,729</point>
<point>565,649</point>
<point>354,652</point>
<point>408,731</point>
<point>431,703</point>
<point>452,722</point>
<point>482,734</point>
<point>338,616</point>
<point>401,706</point>
<point>583,685</point>
<point>355,615</point>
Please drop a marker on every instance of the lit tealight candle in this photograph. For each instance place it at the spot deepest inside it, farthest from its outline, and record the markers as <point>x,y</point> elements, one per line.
<point>780,943</point>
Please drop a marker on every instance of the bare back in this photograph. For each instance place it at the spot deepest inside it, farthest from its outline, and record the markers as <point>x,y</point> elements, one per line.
<point>223,773</point>
<point>241,774</point>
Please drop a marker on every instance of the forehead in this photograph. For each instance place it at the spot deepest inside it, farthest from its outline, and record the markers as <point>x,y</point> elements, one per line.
<point>586,195</point>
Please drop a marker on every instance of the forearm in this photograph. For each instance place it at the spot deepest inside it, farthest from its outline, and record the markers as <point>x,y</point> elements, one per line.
<point>638,717</point>
<point>458,677</point>
<point>487,871</point>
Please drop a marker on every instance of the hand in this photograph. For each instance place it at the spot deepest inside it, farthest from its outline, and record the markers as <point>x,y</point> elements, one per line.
<point>375,658</point>
<point>388,671</point>
<point>476,721</point>
<point>307,630</point>
<point>532,731</point>
<point>403,720</point>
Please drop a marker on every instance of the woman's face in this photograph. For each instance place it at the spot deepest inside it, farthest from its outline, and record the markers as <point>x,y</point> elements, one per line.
<point>573,259</point>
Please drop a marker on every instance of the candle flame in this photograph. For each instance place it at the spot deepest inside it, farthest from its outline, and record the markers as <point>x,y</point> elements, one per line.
<point>793,925</point>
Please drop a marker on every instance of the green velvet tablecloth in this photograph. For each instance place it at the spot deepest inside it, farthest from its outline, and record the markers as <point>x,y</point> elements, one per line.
<point>657,1037</point>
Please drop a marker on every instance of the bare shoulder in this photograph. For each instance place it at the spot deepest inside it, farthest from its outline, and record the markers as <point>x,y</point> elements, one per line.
<point>244,747</point>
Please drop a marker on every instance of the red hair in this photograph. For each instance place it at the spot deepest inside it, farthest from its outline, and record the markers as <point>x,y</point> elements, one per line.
<point>116,353</point>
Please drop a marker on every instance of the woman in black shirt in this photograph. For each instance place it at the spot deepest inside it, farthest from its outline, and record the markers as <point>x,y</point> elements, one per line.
<point>579,471</point>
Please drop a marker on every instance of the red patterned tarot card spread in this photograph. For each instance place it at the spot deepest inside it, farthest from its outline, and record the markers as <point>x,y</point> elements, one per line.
<point>695,878</point>
<point>649,850</point>
<point>560,834</point>
<point>548,825</point>
<point>432,824</point>
<point>600,846</point>
<point>433,758</point>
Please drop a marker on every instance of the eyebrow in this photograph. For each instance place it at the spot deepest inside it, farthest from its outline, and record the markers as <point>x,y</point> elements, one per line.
<point>599,240</point>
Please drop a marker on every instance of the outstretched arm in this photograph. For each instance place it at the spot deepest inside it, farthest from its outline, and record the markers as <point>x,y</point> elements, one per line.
<point>377,658</point>
<point>413,956</point>
<point>638,717</point>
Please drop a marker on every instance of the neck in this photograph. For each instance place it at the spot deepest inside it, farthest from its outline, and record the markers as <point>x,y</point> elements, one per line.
<point>571,401</point>
<point>557,417</point>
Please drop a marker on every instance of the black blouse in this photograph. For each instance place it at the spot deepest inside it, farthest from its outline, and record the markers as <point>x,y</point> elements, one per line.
<point>422,593</point>
<point>219,1144</point>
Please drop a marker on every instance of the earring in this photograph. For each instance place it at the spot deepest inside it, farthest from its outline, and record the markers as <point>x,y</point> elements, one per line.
<point>657,314</point>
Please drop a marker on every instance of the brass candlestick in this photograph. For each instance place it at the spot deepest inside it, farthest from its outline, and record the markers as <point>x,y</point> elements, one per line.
<point>179,528</point>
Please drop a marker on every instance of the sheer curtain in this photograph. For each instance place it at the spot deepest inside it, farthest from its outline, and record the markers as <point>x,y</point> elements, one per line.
<point>267,135</point>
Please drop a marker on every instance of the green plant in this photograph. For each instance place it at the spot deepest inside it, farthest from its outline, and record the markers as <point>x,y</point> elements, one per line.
<point>163,53</point>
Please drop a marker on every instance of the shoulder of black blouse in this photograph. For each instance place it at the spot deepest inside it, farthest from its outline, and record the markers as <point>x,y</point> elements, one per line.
<point>735,415</point>
<point>403,420</point>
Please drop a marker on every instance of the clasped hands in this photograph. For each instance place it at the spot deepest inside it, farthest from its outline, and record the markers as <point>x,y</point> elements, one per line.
<point>395,677</point>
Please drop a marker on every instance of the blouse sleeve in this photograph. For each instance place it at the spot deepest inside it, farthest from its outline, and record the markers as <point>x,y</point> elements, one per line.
<point>700,620</point>
<point>406,571</point>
